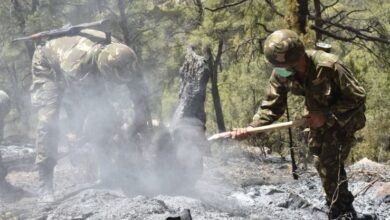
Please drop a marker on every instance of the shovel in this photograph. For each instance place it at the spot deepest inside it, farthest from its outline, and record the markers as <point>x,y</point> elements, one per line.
<point>260,129</point>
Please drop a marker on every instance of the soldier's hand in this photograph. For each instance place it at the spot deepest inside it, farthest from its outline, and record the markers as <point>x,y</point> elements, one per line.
<point>240,133</point>
<point>315,119</point>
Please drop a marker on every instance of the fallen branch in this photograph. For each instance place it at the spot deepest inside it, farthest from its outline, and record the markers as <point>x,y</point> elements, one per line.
<point>364,189</point>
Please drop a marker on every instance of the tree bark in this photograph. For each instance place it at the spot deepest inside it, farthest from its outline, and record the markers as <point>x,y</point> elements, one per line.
<point>194,75</point>
<point>213,66</point>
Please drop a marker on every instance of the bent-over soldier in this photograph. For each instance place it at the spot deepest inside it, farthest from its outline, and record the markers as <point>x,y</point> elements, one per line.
<point>82,65</point>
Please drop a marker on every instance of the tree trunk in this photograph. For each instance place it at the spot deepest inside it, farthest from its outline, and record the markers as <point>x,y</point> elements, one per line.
<point>194,75</point>
<point>123,22</point>
<point>317,20</point>
<point>199,18</point>
<point>213,66</point>
<point>303,13</point>
<point>21,104</point>
<point>34,6</point>
<point>19,14</point>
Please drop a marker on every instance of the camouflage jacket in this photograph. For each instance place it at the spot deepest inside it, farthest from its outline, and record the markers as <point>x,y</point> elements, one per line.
<point>328,87</point>
<point>72,57</point>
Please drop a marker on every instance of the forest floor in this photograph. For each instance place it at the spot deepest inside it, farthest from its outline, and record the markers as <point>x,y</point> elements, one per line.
<point>230,188</point>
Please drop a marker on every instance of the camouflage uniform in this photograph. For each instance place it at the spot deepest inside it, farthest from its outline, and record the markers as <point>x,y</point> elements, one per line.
<point>4,109</point>
<point>80,65</point>
<point>331,88</point>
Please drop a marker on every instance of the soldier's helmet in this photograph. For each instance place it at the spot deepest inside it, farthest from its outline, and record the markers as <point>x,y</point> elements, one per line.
<point>283,47</point>
<point>117,62</point>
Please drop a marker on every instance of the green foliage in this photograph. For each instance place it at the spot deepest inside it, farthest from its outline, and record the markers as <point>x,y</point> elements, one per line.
<point>375,136</point>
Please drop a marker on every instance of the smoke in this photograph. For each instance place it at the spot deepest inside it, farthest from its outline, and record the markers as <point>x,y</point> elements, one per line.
<point>97,133</point>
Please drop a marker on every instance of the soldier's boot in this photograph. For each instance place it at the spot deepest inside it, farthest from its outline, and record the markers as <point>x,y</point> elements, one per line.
<point>10,193</point>
<point>45,178</point>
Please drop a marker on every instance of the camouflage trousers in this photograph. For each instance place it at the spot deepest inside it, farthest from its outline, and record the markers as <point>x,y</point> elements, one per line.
<point>46,100</point>
<point>91,119</point>
<point>330,147</point>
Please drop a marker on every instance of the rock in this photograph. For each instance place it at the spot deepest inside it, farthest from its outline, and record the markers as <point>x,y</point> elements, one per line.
<point>382,190</point>
<point>184,215</point>
<point>386,199</point>
<point>294,202</point>
<point>367,164</point>
<point>273,191</point>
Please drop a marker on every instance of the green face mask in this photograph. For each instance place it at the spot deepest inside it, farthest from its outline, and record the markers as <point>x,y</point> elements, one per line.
<point>284,72</point>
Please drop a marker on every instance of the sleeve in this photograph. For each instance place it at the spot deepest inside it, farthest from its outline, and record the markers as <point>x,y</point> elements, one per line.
<point>351,97</point>
<point>274,104</point>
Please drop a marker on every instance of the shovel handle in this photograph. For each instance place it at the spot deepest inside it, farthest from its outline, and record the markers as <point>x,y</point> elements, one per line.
<point>261,129</point>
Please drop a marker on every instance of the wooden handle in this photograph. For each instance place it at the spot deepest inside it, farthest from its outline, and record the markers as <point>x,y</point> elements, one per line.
<point>271,127</point>
<point>265,128</point>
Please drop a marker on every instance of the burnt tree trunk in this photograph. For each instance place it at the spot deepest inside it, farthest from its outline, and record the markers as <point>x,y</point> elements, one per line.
<point>213,66</point>
<point>188,125</point>
<point>194,75</point>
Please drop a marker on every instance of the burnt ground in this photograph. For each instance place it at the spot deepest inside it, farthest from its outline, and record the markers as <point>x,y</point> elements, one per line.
<point>231,188</point>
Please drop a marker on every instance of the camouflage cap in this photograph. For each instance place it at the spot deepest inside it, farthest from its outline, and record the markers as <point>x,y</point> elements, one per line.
<point>117,62</point>
<point>283,47</point>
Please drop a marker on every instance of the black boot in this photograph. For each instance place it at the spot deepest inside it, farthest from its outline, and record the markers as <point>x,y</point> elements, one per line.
<point>45,178</point>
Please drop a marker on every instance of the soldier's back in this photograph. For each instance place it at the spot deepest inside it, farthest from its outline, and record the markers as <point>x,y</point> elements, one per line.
<point>75,55</point>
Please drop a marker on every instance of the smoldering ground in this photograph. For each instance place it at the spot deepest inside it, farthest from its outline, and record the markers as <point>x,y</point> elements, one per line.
<point>156,178</point>
<point>98,144</point>
<point>102,141</point>
<point>230,188</point>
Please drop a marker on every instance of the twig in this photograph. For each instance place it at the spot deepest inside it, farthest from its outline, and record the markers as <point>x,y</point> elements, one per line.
<point>364,189</point>
<point>225,6</point>
<point>273,7</point>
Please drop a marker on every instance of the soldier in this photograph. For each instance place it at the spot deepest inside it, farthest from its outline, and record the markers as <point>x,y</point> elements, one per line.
<point>335,102</point>
<point>6,189</point>
<point>83,65</point>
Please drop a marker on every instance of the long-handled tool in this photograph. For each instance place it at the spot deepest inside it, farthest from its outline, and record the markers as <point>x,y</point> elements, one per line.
<point>265,128</point>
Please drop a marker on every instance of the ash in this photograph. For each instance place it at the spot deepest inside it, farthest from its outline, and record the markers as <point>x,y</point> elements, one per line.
<point>230,188</point>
